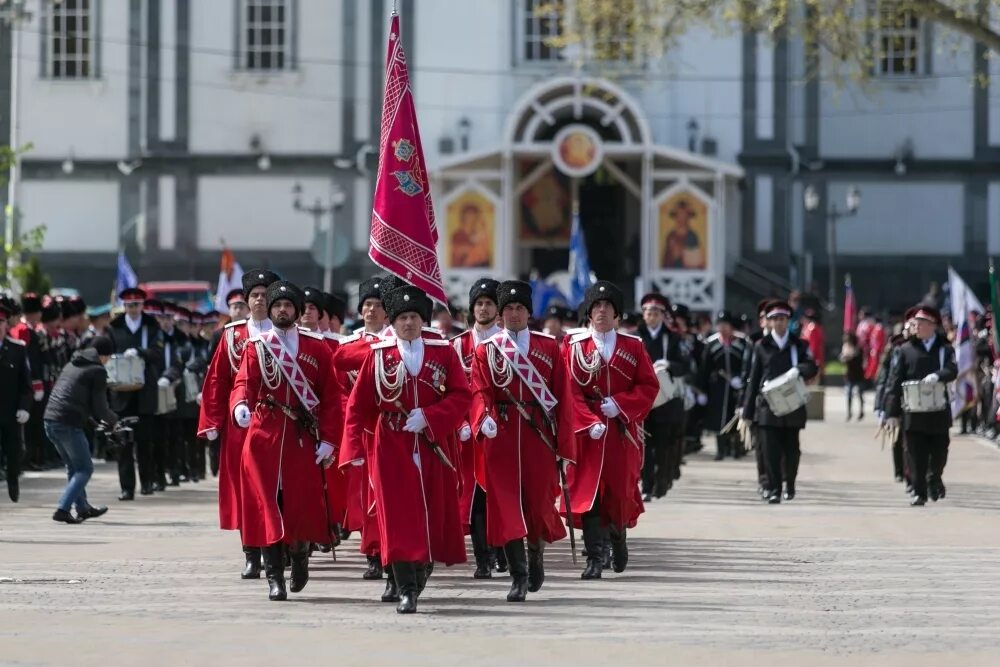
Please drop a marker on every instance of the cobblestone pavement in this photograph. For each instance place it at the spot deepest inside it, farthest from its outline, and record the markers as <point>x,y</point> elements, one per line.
<point>847,573</point>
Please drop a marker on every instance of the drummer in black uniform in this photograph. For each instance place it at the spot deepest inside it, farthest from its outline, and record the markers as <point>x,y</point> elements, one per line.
<point>776,354</point>
<point>720,377</point>
<point>754,441</point>
<point>929,359</point>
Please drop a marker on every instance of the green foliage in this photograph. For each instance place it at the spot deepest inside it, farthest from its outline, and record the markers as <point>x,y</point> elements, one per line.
<point>28,276</point>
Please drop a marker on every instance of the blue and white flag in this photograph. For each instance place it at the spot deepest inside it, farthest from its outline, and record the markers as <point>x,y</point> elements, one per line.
<point>125,277</point>
<point>580,277</point>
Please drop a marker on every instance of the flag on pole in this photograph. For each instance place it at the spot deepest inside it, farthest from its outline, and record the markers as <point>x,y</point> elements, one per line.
<point>963,304</point>
<point>124,276</point>
<point>403,234</point>
<point>580,277</point>
<point>850,306</point>
<point>230,277</point>
<point>543,295</point>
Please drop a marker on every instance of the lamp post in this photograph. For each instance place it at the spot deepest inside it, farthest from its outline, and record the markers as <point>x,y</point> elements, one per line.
<point>317,211</point>
<point>13,13</point>
<point>811,199</point>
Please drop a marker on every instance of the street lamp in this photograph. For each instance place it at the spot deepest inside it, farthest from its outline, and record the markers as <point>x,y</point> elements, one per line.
<point>317,211</point>
<point>811,200</point>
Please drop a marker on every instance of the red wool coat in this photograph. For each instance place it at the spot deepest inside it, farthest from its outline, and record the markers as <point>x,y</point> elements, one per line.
<point>336,481</point>
<point>521,478</point>
<point>360,515</point>
<point>279,454</point>
<point>416,495</point>
<point>215,414</point>
<point>473,464</point>
<point>608,469</point>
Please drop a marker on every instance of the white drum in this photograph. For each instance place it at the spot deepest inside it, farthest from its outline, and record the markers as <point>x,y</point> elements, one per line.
<point>192,386</point>
<point>785,394</point>
<point>125,373</point>
<point>924,397</point>
<point>668,386</point>
<point>166,400</point>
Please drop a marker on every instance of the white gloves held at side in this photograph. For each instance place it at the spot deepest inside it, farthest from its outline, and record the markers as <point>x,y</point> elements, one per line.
<point>609,408</point>
<point>324,454</point>
<point>241,413</point>
<point>38,395</point>
<point>736,383</point>
<point>465,433</point>
<point>416,422</point>
<point>211,435</point>
<point>163,383</point>
<point>22,416</point>
<point>597,431</point>
<point>489,428</point>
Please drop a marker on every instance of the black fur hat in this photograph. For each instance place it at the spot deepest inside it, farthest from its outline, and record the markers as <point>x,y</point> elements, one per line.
<point>514,291</point>
<point>283,289</point>
<point>377,287</point>
<point>258,278</point>
<point>483,287</point>
<point>407,299</point>
<point>604,290</point>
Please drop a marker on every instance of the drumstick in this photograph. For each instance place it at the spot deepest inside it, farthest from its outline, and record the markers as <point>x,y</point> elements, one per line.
<point>730,424</point>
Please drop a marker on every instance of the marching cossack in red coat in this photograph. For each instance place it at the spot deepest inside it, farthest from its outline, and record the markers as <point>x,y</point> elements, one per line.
<point>608,469</point>
<point>282,499</point>
<point>415,492</point>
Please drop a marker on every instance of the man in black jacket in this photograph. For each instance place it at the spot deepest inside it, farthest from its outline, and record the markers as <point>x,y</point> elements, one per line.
<point>774,355</point>
<point>720,377</point>
<point>665,424</point>
<point>15,401</point>
<point>929,359</point>
<point>80,395</point>
<point>137,334</point>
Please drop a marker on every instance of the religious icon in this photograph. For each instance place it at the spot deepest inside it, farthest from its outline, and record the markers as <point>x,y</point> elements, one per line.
<point>545,209</point>
<point>683,232</point>
<point>470,224</point>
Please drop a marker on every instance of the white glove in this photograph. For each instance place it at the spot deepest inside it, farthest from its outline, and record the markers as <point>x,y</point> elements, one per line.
<point>702,399</point>
<point>597,431</point>
<point>324,453</point>
<point>794,373</point>
<point>465,433</point>
<point>880,416</point>
<point>610,408</point>
<point>892,423</point>
<point>22,416</point>
<point>416,422</point>
<point>131,352</point>
<point>489,428</point>
<point>38,395</point>
<point>736,383</point>
<point>357,463</point>
<point>163,383</point>
<point>241,413</point>
<point>198,398</point>
<point>932,379</point>
<point>211,435</point>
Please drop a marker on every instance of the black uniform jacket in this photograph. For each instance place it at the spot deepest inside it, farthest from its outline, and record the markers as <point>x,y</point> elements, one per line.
<point>913,362</point>
<point>769,362</point>
<point>15,385</point>
<point>666,345</point>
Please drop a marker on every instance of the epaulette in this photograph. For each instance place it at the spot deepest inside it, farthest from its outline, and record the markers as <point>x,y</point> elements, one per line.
<point>576,330</point>
<point>542,333</point>
<point>350,339</point>
<point>311,334</point>
<point>628,335</point>
<point>16,341</point>
<point>235,323</point>
<point>429,341</point>
<point>434,331</point>
<point>359,331</point>
<point>579,337</point>
<point>383,344</point>
<point>329,335</point>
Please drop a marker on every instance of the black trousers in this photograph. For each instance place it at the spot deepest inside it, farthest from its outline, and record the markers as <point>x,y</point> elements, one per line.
<point>141,452</point>
<point>898,464</point>
<point>10,445</point>
<point>38,449</point>
<point>928,454</point>
<point>163,447</point>
<point>781,455</point>
<point>664,447</point>
<point>758,456</point>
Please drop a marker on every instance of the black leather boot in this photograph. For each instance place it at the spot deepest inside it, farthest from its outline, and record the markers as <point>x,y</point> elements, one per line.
<point>517,563</point>
<point>501,557</point>
<point>374,570</point>
<point>422,572</point>
<point>251,570</point>
<point>274,567</point>
<point>300,566</point>
<point>789,491</point>
<point>406,578</point>
<point>536,566</point>
<point>480,549</point>
<point>13,487</point>
<point>619,550</point>
<point>213,457</point>
<point>593,540</point>
<point>391,592</point>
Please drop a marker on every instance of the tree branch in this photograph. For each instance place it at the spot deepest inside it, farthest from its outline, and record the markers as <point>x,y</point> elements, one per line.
<point>971,25</point>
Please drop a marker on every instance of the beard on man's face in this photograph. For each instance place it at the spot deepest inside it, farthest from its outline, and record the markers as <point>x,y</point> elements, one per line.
<point>283,320</point>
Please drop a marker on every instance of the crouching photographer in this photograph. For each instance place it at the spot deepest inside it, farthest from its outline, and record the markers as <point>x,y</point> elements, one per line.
<point>80,395</point>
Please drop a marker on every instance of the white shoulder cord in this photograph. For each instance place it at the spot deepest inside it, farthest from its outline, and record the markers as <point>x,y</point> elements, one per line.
<point>587,365</point>
<point>269,371</point>
<point>393,382</point>
<point>234,356</point>
<point>500,371</point>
